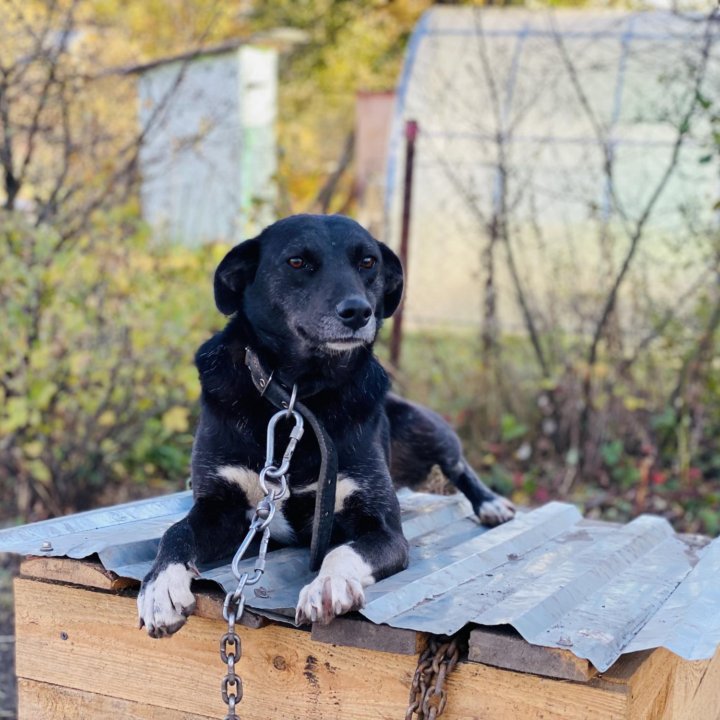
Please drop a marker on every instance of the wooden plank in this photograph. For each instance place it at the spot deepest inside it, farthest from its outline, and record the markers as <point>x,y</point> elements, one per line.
<point>91,574</point>
<point>53,702</point>
<point>505,648</point>
<point>87,573</point>
<point>483,692</point>
<point>626,667</point>
<point>359,633</point>
<point>646,678</point>
<point>88,641</point>
<point>695,691</point>
<point>663,686</point>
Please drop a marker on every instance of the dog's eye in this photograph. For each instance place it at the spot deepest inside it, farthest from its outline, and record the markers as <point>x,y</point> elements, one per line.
<point>297,263</point>
<point>368,263</point>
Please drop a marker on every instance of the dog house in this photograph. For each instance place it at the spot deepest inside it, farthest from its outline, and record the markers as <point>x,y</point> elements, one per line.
<point>557,617</point>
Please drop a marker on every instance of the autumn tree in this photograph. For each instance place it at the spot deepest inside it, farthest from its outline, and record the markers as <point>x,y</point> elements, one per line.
<point>97,337</point>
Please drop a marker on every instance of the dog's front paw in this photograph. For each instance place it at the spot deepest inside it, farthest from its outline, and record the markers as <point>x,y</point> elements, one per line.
<point>328,596</point>
<point>496,511</point>
<point>165,600</point>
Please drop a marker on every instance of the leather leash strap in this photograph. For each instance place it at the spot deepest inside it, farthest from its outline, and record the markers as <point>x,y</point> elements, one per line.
<point>278,396</point>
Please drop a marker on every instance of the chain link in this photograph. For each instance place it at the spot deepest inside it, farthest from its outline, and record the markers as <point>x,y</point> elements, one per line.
<point>231,687</point>
<point>428,696</point>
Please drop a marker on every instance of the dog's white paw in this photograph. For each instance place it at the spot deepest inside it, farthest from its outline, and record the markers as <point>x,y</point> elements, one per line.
<point>496,511</point>
<point>328,596</point>
<point>165,601</point>
<point>337,589</point>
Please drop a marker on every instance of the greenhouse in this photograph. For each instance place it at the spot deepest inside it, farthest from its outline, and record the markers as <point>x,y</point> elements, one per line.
<point>554,149</point>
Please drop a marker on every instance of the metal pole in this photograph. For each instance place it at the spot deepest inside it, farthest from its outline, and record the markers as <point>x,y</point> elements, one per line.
<point>411,131</point>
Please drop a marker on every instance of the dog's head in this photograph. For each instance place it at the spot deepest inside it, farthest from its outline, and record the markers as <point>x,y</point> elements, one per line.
<point>320,283</point>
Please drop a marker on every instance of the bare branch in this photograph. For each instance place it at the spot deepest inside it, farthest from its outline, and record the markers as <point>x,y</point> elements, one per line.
<point>637,233</point>
<point>659,327</point>
<point>44,94</point>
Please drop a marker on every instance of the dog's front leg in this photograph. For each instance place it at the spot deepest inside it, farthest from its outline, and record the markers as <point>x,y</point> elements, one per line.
<point>210,531</point>
<point>347,570</point>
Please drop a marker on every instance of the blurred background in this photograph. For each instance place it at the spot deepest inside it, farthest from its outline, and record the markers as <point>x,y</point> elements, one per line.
<point>563,251</point>
<point>563,248</point>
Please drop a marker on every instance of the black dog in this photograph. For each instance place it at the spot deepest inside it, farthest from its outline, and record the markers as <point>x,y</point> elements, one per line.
<point>307,297</point>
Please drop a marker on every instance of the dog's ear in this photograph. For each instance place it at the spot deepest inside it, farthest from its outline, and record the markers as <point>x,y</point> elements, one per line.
<point>393,277</point>
<point>234,274</point>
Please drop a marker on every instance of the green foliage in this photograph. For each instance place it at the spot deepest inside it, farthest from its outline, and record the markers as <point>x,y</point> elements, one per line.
<point>511,429</point>
<point>98,385</point>
<point>652,455</point>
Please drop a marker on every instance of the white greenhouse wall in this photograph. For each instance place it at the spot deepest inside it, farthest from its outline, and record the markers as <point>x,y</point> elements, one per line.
<point>474,76</point>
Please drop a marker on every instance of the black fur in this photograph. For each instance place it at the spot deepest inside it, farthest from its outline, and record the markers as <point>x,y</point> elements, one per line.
<point>314,324</point>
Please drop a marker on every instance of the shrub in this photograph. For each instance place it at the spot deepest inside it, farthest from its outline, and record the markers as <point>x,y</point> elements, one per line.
<point>97,387</point>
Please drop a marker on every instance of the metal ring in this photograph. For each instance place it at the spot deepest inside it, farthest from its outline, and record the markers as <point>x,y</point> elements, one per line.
<point>230,614</point>
<point>272,471</point>
<point>230,639</point>
<point>265,384</point>
<point>282,490</point>
<point>237,593</point>
<point>274,493</point>
<point>261,477</point>
<point>255,578</point>
<point>259,523</point>
<point>234,692</point>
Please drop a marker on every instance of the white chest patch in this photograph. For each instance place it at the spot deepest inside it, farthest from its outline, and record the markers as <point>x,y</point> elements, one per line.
<point>345,487</point>
<point>249,482</point>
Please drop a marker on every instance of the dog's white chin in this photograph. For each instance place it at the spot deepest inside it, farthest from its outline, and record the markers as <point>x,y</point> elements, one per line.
<point>341,346</point>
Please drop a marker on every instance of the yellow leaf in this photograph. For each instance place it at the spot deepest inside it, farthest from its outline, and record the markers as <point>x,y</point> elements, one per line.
<point>632,403</point>
<point>17,414</point>
<point>79,362</point>
<point>176,419</point>
<point>187,376</point>
<point>107,419</point>
<point>33,449</point>
<point>601,370</point>
<point>40,471</point>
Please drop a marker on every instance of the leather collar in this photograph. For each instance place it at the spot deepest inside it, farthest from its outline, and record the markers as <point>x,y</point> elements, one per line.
<point>263,378</point>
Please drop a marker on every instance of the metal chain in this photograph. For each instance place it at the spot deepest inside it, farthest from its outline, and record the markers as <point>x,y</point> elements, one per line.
<point>231,687</point>
<point>428,696</point>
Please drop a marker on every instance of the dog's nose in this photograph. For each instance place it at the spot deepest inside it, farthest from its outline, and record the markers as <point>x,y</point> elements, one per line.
<point>354,311</point>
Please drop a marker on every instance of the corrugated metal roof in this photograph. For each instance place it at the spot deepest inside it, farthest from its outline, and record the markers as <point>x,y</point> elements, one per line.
<point>596,589</point>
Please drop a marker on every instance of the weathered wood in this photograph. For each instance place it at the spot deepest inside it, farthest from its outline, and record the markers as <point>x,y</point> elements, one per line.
<point>88,641</point>
<point>359,633</point>
<point>505,648</point>
<point>484,692</point>
<point>87,573</point>
<point>694,691</point>
<point>662,686</point>
<point>42,701</point>
<point>91,574</point>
